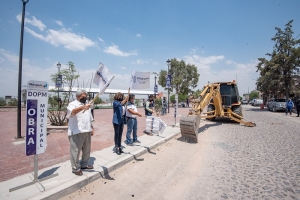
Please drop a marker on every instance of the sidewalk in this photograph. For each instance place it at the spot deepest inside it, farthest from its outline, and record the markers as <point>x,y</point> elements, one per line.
<point>15,165</point>
<point>65,182</point>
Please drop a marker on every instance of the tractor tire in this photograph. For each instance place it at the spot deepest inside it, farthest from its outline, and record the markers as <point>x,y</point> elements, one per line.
<point>237,110</point>
<point>210,108</point>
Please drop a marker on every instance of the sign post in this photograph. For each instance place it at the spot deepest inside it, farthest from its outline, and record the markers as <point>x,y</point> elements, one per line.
<point>36,126</point>
<point>176,107</point>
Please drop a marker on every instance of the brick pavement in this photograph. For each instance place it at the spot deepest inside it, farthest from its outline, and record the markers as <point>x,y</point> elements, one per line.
<point>14,162</point>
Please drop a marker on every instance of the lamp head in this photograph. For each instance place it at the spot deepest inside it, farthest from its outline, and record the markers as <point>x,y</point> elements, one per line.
<point>58,65</point>
<point>168,62</point>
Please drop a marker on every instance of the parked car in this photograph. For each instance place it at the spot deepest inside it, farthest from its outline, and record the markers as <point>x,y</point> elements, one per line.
<point>257,102</point>
<point>244,101</point>
<point>251,102</point>
<point>276,105</point>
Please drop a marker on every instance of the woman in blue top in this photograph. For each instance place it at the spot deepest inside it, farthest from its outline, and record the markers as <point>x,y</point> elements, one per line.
<point>118,119</point>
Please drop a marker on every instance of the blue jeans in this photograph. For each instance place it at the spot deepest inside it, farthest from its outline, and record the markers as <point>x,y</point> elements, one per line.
<point>288,110</point>
<point>131,126</point>
<point>163,110</point>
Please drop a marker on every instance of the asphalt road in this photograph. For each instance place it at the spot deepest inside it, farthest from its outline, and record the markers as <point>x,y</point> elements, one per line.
<point>229,162</point>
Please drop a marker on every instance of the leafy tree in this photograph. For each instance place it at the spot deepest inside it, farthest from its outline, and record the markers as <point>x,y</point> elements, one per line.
<point>24,95</point>
<point>111,98</point>
<point>158,106</point>
<point>69,77</point>
<point>137,102</point>
<point>277,73</point>
<point>98,100</point>
<point>2,101</point>
<point>253,95</point>
<point>184,77</point>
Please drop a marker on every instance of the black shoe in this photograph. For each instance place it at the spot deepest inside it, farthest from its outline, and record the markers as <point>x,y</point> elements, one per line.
<point>136,141</point>
<point>120,150</point>
<point>129,144</point>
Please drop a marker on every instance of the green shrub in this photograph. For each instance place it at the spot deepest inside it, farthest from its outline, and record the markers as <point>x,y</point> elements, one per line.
<point>96,107</point>
<point>13,102</point>
<point>2,101</point>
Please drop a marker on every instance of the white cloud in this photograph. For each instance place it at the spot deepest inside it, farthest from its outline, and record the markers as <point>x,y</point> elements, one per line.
<point>139,62</point>
<point>33,21</point>
<point>216,69</point>
<point>123,67</point>
<point>142,62</point>
<point>194,50</point>
<point>138,35</point>
<point>203,63</point>
<point>64,37</point>
<point>114,50</point>
<point>59,23</point>
<point>100,39</point>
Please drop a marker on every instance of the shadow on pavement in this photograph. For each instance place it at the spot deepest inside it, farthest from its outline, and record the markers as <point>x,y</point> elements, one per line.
<point>206,126</point>
<point>48,172</point>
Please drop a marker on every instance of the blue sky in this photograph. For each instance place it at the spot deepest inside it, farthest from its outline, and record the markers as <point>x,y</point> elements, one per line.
<point>223,38</point>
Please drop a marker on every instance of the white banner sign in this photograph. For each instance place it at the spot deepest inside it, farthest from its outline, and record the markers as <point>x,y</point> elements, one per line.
<point>140,80</point>
<point>36,117</point>
<point>103,78</point>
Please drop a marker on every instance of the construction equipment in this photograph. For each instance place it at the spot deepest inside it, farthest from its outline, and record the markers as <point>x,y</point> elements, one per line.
<point>222,100</point>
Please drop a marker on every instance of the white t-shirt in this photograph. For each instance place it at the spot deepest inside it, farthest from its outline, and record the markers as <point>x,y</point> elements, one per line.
<point>133,107</point>
<point>81,122</point>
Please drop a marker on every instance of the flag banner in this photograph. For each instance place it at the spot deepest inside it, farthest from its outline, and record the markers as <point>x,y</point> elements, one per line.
<point>168,81</point>
<point>103,78</point>
<point>155,125</point>
<point>140,80</point>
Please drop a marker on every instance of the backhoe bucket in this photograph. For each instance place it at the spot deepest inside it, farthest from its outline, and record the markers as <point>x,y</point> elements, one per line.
<point>189,126</point>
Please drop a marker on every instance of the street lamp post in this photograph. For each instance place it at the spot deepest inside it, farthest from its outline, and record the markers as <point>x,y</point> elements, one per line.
<point>20,71</point>
<point>58,79</point>
<point>168,63</point>
<point>155,86</point>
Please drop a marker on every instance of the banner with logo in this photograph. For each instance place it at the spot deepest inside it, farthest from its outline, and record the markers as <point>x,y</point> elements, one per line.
<point>168,80</point>
<point>36,117</point>
<point>140,80</point>
<point>103,78</point>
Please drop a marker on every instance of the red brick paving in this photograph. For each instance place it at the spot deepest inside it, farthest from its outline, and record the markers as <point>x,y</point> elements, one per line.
<point>14,162</point>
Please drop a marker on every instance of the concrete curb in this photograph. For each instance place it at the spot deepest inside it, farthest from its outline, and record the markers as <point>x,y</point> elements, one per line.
<point>101,172</point>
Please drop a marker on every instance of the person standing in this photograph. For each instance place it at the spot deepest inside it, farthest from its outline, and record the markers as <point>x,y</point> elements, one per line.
<point>131,114</point>
<point>298,107</point>
<point>80,130</point>
<point>149,106</point>
<point>187,103</point>
<point>289,107</point>
<point>118,120</point>
<point>149,110</point>
<point>164,106</point>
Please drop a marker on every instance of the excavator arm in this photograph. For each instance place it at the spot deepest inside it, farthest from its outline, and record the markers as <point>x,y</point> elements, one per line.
<point>210,91</point>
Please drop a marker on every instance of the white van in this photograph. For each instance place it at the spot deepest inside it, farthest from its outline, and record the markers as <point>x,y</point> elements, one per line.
<point>258,102</point>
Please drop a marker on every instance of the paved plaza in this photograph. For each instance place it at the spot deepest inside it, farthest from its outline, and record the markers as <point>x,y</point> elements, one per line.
<point>14,162</point>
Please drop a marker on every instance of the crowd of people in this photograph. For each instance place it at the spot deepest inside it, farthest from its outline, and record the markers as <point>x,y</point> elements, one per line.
<point>80,128</point>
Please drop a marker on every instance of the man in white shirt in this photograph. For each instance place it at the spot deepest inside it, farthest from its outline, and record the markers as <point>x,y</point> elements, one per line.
<point>80,131</point>
<point>131,114</point>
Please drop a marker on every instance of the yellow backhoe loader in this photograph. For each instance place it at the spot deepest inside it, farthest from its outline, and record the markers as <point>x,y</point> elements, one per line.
<point>222,100</point>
